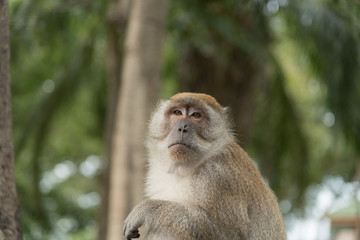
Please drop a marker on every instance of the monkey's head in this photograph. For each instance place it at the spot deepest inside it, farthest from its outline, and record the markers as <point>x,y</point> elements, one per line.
<point>186,130</point>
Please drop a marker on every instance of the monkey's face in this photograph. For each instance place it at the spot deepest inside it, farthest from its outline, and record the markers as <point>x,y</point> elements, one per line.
<point>186,133</point>
<point>187,130</point>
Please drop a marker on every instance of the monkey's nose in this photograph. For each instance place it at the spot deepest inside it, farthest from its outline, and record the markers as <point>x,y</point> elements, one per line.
<point>183,129</point>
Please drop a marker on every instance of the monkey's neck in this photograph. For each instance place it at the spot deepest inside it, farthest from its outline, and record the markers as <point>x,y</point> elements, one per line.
<point>165,185</point>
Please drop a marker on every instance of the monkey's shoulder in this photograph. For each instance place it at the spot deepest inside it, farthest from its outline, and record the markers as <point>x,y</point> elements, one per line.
<point>234,169</point>
<point>238,160</point>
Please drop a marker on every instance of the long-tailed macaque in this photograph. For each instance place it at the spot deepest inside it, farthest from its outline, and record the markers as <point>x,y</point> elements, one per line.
<point>201,184</point>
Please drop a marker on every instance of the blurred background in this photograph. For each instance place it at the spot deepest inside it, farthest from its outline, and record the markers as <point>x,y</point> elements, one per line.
<point>289,71</point>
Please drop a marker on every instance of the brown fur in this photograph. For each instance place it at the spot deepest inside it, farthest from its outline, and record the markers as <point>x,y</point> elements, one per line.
<point>227,199</point>
<point>197,96</point>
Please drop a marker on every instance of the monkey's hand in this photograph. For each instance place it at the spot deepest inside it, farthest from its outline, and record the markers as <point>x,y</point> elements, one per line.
<point>132,223</point>
<point>131,227</point>
<point>135,220</point>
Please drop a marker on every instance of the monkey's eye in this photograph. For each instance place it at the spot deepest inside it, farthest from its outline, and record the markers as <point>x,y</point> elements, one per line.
<point>177,112</point>
<point>196,115</point>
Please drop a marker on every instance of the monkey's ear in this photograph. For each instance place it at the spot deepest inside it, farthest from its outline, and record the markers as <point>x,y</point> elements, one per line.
<point>226,109</point>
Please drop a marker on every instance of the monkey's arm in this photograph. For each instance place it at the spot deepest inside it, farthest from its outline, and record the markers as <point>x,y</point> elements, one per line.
<point>170,218</point>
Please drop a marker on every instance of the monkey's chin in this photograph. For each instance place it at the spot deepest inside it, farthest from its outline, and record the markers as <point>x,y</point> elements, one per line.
<point>183,161</point>
<point>181,154</point>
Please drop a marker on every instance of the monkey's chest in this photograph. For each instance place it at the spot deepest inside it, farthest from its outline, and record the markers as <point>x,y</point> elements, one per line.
<point>165,186</point>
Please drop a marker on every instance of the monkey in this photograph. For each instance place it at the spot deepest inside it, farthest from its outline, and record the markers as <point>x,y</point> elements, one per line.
<point>200,183</point>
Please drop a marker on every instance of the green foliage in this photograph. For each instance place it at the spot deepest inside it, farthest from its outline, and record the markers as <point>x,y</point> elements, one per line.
<point>59,110</point>
<point>295,63</point>
<point>332,33</point>
<point>283,142</point>
<point>228,47</point>
<point>325,39</point>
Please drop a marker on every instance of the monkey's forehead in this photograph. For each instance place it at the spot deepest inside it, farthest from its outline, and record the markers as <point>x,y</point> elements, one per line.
<point>186,97</point>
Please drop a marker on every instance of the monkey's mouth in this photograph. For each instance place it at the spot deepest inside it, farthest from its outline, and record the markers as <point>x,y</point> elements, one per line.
<point>179,143</point>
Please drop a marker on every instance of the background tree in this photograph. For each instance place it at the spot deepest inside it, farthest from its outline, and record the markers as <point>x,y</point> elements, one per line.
<point>140,82</point>
<point>116,25</point>
<point>10,226</point>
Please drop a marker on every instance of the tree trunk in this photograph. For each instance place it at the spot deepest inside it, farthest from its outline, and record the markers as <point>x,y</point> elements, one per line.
<point>138,91</point>
<point>116,24</point>
<point>9,218</point>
